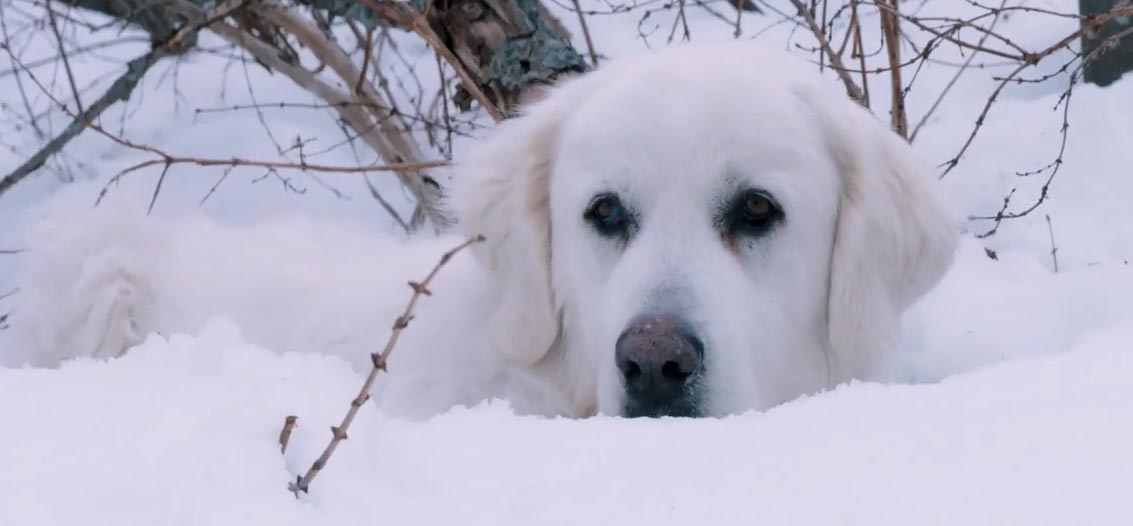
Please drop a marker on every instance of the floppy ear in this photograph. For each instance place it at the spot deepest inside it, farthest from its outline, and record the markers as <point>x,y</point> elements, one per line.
<point>501,191</point>
<point>895,238</point>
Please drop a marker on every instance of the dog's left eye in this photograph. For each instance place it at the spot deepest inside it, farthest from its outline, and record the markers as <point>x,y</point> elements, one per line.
<point>752,213</point>
<point>607,215</point>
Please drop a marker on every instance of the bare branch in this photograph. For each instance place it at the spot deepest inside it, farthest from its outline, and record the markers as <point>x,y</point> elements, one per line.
<point>852,89</point>
<point>379,361</point>
<point>63,55</point>
<point>586,32</point>
<point>404,14</point>
<point>899,122</point>
<point>119,90</point>
<point>1053,245</point>
<point>959,72</point>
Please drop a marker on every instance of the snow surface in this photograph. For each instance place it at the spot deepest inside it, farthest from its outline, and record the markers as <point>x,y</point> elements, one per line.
<point>1020,415</point>
<point>184,432</point>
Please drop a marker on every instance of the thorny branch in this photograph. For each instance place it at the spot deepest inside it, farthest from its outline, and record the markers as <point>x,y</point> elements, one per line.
<point>1052,169</point>
<point>1030,59</point>
<point>956,77</point>
<point>379,361</point>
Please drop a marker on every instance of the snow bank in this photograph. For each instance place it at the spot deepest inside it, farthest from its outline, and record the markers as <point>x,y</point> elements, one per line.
<point>184,432</point>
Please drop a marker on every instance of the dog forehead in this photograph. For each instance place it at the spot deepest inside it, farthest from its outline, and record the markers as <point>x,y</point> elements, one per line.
<point>696,123</point>
<point>677,104</point>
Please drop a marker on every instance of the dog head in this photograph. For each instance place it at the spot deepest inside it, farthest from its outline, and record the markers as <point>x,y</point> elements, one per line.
<point>700,231</point>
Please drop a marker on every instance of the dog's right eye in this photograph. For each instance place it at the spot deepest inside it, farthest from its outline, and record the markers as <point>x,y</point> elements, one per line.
<point>607,215</point>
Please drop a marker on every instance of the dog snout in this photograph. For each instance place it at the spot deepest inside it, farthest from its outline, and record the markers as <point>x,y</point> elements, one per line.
<point>659,358</point>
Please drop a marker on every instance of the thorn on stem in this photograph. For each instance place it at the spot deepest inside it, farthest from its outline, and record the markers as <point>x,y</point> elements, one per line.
<point>378,361</point>
<point>402,322</point>
<point>419,288</point>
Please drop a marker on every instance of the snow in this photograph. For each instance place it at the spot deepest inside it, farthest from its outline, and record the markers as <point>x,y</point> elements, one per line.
<point>1017,408</point>
<point>184,431</point>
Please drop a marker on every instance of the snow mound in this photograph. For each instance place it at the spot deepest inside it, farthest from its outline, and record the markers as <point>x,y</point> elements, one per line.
<point>184,431</point>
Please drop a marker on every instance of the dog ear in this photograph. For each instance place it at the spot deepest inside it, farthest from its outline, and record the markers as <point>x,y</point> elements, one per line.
<point>895,237</point>
<point>501,191</point>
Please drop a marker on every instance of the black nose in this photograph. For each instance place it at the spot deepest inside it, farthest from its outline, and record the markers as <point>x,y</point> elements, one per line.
<point>659,358</point>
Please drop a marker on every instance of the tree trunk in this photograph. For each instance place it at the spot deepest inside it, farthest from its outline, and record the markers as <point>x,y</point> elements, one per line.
<point>1105,66</point>
<point>507,45</point>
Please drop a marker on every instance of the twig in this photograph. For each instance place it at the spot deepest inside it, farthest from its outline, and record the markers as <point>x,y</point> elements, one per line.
<point>19,82</point>
<point>1053,246</point>
<point>168,160</point>
<point>387,207</point>
<point>78,50</point>
<point>216,185</point>
<point>852,89</point>
<point>736,29</point>
<point>891,33</point>
<point>119,90</point>
<point>285,165</point>
<point>444,105</point>
<point>586,33</point>
<point>157,187</point>
<point>956,77</point>
<point>1089,24</point>
<point>1054,166</point>
<point>378,360</point>
<point>285,433</point>
<point>380,127</point>
<point>367,51</point>
<point>859,49</point>
<point>403,14</point>
<point>63,55</point>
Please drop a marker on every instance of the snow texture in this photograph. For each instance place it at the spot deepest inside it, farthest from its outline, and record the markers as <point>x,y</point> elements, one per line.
<point>183,431</point>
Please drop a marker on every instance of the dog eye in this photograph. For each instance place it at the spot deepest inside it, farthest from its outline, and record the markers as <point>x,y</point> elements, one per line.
<point>752,213</point>
<point>607,215</point>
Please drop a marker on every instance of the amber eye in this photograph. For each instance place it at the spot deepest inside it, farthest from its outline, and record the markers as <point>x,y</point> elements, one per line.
<point>607,215</point>
<point>752,213</point>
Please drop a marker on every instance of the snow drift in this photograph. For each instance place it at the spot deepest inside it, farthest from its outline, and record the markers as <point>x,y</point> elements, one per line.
<point>184,431</point>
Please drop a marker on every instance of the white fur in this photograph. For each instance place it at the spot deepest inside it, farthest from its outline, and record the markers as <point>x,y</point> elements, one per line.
<point>534,317</point>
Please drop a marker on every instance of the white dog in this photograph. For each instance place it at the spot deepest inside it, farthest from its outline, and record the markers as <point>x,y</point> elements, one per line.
<point>692,232</point>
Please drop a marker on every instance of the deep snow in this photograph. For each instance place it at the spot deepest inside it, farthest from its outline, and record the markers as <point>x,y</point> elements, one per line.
<point>184,432</point>
<point>1029,423</point>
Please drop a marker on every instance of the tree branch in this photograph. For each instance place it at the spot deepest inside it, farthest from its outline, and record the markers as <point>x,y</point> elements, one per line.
<point>121,89</point>
<point>378,360</point>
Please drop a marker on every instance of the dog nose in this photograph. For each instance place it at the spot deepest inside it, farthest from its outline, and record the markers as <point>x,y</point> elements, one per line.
<point>658,357</point>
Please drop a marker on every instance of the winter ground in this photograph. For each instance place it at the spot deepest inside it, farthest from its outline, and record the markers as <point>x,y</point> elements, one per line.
<point>184,432</point>
<point>1020,414</point>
